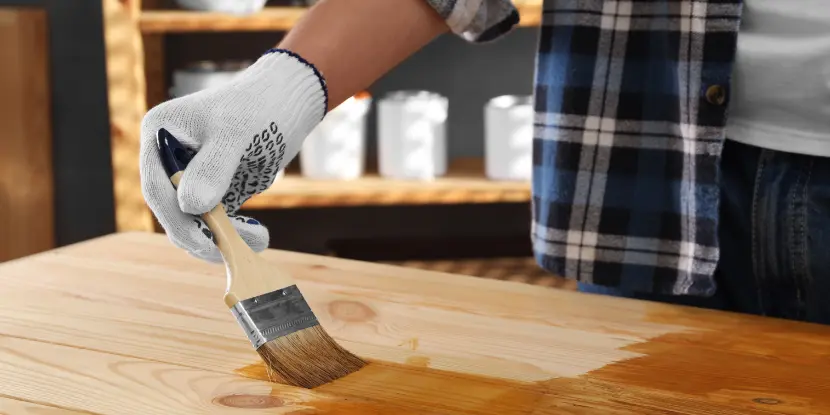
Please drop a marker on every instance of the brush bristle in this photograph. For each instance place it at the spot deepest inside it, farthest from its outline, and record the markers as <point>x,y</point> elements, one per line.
<point>307,358</point>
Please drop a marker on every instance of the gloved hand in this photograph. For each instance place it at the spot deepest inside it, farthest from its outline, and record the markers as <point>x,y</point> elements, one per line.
<point>243,133</point>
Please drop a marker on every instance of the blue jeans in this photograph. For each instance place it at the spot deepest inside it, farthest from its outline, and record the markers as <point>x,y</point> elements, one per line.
<point>774,237</point>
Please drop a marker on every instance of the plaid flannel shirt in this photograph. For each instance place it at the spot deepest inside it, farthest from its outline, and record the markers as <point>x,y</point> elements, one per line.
<point>630,100</point>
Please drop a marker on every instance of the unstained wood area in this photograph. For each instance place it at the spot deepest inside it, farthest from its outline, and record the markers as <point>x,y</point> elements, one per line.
<point>129,324</point>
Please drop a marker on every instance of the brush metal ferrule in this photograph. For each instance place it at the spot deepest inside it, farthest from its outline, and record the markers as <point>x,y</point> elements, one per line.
<point>272,315</point>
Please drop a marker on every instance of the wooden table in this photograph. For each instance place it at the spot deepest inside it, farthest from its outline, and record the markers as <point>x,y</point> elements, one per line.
<point>127,324</point>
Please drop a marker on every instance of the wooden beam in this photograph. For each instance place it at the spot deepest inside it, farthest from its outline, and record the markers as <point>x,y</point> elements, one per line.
<point>465,182</point>
<point>518,269</point>
<point>26,177</point>
<point>178,21</point>
<point>127,104</point>
<point>530,12</point>
<point>154,67</point>
<point>154,60</point>
<point>268,19</point>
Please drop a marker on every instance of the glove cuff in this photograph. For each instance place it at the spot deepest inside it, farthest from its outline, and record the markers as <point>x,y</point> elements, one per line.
<point>309,65</point>
<point>281,84</point>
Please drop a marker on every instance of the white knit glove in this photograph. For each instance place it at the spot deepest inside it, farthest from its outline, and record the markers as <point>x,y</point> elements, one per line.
<point>243,132</point>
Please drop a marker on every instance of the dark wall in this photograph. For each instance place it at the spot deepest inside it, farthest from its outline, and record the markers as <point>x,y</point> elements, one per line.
<point>80,120</point>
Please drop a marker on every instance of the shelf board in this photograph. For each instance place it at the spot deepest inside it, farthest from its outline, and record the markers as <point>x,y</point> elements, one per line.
<point>269,19</point>
<point>524,270</point>
<point>180,21</point>
<point>464,183</point>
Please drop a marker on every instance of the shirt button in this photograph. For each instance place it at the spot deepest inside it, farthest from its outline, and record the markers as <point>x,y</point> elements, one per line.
<point>715,95</point>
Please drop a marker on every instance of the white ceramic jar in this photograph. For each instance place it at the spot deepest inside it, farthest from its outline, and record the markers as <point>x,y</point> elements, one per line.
<point>238,7</point>
<point>508,142</point>
<point>335,149</point>
<point>412,135</point>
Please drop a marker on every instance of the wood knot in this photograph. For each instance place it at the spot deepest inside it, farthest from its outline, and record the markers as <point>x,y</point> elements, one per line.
<point>249,401</point>
<point>767,401</point>
<point>351,311</point>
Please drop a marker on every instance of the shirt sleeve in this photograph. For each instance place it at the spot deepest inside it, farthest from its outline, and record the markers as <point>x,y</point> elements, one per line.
<point>478,21</point>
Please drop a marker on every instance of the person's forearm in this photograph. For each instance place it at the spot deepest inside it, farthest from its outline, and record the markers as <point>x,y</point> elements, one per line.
<point>355,42</point>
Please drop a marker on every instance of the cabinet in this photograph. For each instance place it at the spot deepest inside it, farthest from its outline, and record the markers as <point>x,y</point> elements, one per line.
<point>135,35</point>
<point>139,36</point>
<point>26,174</point>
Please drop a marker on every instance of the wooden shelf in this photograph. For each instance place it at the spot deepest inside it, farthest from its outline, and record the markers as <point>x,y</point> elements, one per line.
<point>135,35</point>
<point>179,21</point>
<point>269,19</point>
<point>524,270</point>
<point>464,183</point>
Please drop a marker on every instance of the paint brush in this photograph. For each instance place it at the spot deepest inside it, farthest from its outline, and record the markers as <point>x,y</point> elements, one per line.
<point>266,301</point>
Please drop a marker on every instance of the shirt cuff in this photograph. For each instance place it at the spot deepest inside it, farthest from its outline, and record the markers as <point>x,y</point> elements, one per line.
<point>478,21</point>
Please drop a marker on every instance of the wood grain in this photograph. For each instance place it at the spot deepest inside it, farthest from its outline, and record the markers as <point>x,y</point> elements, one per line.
<point>107,383</point>
<point>127,94</point>
<point>269,19</point>
<point>127,324</point>
<point>26,182</point>
<point>17,407</point>
<point>464,183</point>
<point>178,21</point>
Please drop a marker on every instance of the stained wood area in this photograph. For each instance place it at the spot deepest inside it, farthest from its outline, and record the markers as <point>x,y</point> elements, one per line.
<point>128,324</point>
<point>269,19</point>
<point>26,182</point>
<point>464,183</point>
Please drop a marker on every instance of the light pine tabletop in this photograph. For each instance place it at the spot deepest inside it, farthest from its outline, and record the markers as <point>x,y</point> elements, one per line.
<point>129,324</point>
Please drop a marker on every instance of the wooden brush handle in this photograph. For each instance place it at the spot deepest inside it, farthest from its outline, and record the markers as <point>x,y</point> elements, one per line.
<point>248,274</point>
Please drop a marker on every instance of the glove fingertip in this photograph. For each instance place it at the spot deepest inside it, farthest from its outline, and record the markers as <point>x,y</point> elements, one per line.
<point>255,234</point>
<point>208,177</point>
<point>196,198</point>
